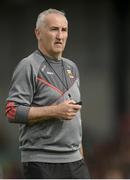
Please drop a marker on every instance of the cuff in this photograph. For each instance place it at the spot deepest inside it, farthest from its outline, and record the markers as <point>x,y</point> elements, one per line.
<point>22,114</point>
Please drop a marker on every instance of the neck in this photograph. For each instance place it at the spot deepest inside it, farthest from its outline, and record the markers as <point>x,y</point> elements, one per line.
<point>55,56</point>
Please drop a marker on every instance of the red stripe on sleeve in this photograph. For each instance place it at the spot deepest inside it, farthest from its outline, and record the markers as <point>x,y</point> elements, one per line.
<point>10,110</point>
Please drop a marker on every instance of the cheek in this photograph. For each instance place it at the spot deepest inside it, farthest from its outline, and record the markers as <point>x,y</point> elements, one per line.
<point>50,38</point>
<point>44,36</point>
<point>65,37</point>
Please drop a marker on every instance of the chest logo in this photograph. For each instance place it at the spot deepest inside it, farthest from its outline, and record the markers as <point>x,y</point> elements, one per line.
<point>48,72</point>
<point>69,72</point>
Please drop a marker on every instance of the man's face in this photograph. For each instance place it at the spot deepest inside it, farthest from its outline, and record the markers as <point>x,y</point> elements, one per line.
<point>52,35</point>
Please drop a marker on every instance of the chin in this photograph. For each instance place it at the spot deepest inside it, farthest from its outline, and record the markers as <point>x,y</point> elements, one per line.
<point>58,51</point>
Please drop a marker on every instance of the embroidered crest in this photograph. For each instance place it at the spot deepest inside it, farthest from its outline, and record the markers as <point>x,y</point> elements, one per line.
<point>69,72</point>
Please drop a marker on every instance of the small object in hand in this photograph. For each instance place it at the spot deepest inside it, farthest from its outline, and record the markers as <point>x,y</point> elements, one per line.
<point>79,103</point>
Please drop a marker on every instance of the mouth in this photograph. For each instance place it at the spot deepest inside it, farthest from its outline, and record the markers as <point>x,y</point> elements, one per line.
<point>58,43</point>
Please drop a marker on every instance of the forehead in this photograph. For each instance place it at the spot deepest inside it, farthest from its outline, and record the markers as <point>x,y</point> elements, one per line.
<point>56,20</point>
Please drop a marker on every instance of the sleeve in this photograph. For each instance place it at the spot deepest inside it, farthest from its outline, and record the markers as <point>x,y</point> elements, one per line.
<point>76,70</point>
<point>21,93</point>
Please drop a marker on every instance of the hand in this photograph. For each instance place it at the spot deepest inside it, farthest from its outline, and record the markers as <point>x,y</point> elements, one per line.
<point>68,109</point>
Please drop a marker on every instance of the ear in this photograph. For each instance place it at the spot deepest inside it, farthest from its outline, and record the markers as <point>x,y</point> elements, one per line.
<point>37,34</point>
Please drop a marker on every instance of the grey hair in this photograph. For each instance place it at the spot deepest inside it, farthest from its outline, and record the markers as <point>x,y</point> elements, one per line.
<point>42,15</point>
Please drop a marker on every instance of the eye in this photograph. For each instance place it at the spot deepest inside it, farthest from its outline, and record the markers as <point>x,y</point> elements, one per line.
<point>54,29</point>
<point>64,29</point>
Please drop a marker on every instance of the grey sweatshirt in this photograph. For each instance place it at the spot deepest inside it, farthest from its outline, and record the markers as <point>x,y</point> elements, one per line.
<point>36,83</point>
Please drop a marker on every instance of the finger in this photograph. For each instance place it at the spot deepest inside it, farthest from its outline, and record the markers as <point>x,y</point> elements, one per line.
<point>71,102</point>
<point>76,107</point>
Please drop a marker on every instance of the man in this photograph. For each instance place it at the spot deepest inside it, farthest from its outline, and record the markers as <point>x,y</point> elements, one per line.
<point>44,99</point>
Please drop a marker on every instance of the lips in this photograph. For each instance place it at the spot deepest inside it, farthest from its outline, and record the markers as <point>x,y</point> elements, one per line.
<point>58,43</point>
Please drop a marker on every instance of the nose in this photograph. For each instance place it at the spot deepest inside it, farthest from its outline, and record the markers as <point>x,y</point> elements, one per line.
<point>59,34</point>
